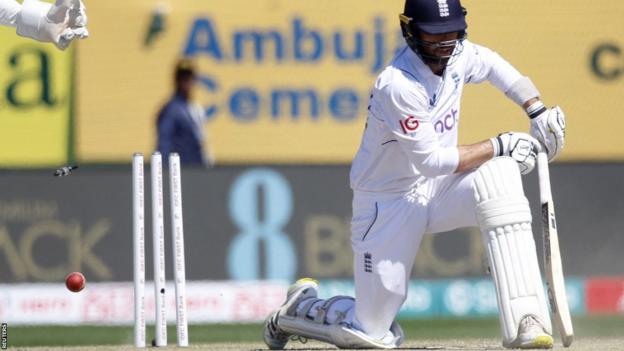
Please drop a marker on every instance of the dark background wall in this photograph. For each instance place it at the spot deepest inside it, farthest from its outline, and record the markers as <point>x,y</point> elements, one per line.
<point>268,223</point>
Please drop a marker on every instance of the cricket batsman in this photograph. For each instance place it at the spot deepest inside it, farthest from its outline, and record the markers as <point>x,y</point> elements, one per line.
<point>57,23</point>
<point>410,177</point>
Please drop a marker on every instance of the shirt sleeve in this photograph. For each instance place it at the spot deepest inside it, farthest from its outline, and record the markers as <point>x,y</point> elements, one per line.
<point>9,9</point>
<point>166,130</point>
<point>405,111</point>
<point>485,64</point>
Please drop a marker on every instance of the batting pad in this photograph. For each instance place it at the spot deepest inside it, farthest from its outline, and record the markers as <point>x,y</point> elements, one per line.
<point>504,216</point>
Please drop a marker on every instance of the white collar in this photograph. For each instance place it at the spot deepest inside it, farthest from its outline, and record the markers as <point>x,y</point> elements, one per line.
<point>417,67</point>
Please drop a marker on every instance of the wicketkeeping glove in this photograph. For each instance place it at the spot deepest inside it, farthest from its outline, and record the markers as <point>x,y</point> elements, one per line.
<point>58,23</point>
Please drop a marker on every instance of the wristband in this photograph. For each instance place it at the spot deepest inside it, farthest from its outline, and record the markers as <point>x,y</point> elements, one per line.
<point>536,109</point>
<point>497,146</point>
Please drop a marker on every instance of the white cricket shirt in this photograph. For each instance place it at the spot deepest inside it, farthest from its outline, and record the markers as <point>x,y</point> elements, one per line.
<point>413,118</point>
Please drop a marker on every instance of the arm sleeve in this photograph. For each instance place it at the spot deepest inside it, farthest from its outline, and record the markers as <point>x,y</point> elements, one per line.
<point>406,114</point>
<point>9,9</point>
<point>483,63</point>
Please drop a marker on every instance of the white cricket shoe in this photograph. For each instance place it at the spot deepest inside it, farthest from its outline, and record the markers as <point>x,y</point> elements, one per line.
<point>531,335</point>
<point>274,337</point>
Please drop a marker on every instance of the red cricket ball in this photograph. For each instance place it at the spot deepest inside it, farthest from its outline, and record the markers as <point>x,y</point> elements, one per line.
<point>75,281</point>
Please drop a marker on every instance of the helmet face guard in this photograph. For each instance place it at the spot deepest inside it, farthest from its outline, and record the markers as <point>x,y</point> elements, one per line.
<point>425,49</point>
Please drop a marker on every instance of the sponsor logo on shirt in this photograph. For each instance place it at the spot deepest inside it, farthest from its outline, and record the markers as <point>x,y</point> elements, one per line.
<point>447,122</point>
<point>409,125</point>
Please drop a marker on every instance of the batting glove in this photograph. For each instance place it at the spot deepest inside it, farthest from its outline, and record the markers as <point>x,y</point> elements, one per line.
<point>58,23</point>
<point>520,146</point>
<point>548,126</point>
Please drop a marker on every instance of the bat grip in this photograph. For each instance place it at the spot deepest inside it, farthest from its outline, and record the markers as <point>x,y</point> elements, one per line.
<point>544,177</point>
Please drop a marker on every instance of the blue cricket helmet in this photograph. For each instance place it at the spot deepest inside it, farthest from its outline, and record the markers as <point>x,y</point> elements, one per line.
<point>433,17</point>
<point>436,16</point>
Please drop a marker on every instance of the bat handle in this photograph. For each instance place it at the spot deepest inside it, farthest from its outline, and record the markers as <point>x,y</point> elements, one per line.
<point>544,177</point>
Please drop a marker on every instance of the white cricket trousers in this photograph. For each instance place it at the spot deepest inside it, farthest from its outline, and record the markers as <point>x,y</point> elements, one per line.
<point>386,231</point>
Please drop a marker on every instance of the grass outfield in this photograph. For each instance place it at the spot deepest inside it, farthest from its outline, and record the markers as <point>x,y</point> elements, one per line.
<point>592,333</point>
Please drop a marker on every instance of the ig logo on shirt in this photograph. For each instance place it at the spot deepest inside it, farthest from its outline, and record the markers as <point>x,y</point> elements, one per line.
<point>409,125</point>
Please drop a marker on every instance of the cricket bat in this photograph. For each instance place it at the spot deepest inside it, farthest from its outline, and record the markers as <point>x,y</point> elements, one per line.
<point>552,256</point>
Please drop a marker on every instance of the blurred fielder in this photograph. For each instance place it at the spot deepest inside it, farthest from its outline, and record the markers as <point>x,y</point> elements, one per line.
<point>410,177</point>
<point>57,23</point>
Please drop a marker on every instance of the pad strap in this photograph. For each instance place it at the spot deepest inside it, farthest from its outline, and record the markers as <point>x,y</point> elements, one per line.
<point>306,308</point>
<point>321,313</point>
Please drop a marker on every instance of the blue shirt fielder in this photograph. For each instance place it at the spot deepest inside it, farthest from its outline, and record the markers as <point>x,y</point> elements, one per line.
<point>180,121</point>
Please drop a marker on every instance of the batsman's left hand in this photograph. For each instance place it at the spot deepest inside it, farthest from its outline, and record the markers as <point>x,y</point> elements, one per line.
<point>58,23</point>
<point>549,128</point>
